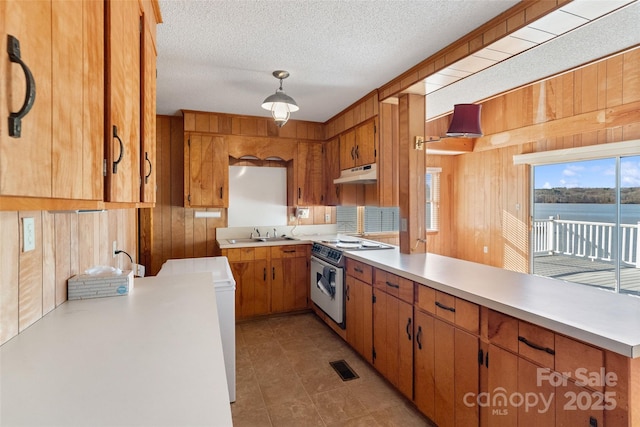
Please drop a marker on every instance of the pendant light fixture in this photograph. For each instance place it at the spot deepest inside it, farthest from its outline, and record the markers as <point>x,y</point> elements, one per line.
<point>465,123</point>
<point>280,104</point>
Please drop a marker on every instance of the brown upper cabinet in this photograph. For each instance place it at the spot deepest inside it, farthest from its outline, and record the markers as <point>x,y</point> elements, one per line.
<point>206,171</point>
<point>309,188</point>
<point>55,76</point>
<point>122,127</point>
<point>149,54</point>
<point>358,145</point>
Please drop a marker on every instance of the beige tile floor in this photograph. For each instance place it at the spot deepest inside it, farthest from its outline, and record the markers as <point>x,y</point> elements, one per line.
<point>284,379</point>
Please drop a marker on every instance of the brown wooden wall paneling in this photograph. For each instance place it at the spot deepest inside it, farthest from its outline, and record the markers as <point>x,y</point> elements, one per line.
<point>35,282</point>
<point>490,203</point>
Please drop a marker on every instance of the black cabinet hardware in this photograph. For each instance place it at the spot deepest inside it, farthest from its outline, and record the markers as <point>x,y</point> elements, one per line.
<point>15,119</point>
<point>115,135</point>
<point>536,346</point>
<point>393,285</point>
<point>419,337</point>
<point>444,307</point>
<point>407,328</point>
<point>146,177</point>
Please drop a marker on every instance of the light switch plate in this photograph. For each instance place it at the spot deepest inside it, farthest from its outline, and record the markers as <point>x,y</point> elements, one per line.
<point>28,234</point>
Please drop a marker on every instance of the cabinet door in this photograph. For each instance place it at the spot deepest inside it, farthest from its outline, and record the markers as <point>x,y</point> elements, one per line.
<point>502,383</point>
<point>365,144</point>
<point>348,149</point>
<point>289,284</point>
<point>261,288</point>
<point>393,340</point>
<point>332,171</point>
<point>148,147</point>
<point>444,341</point>
<point>424,364</point>
<point>122,133</point>
<point>359,320</point>
<point>206,171</point>
<point>579,406</point>
<point>25,162</point>
<point>243,273</point>
<point>466,378</point>
<point>310,173</point>
<point>541,411</point>
<point>78,99</point>
<point>301,283</point>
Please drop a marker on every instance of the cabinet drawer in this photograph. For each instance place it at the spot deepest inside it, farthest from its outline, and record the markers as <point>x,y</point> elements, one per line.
<point>536,344</point>
<point>287,251</point>
<point>394,285</point>
<point>241,254</point>
<point>503,330</point>
<point>359,270</point>
<point>580,361</point>
<point>462,313</point>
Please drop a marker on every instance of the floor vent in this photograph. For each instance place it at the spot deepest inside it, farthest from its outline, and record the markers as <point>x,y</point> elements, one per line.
<point>344,370</point>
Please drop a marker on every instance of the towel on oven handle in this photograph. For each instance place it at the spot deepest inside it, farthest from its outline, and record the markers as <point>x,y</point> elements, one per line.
<point>327,283</point>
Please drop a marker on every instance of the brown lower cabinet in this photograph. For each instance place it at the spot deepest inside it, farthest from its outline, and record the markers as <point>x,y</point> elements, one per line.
<point>359,317</point>
<point>269,279</point>
<point>466,365</point>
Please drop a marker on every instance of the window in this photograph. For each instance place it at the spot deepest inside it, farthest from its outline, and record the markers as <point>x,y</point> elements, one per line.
<point>367,219</point>
<point>586,222</point>
<point>432,199</point>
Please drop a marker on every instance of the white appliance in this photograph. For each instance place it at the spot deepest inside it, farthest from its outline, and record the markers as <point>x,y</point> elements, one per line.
<point>327,273</point>
<point>225,286</point>
<point>366,174</point>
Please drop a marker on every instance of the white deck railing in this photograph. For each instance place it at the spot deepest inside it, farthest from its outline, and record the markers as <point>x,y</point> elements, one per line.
<point>592,240</point>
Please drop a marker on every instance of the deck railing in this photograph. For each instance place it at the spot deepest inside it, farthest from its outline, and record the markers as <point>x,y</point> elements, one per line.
<point>594,240</point>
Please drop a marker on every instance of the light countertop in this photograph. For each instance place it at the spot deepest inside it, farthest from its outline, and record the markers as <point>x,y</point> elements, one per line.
<point>599,317</point>
<point>153,357</point>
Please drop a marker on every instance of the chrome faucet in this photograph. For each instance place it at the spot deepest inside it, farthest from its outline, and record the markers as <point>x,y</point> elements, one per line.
<point>268,235</point>
<point>257,232</point>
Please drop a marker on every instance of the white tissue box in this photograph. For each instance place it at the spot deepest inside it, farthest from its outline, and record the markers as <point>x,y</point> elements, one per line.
<point>83,286</point>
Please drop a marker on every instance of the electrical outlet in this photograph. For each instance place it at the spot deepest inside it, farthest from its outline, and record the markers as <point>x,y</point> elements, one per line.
<point>28,234</point>
<point>114,249</point>
<point>302,212</point>
<point>485,249</point>
<point>327,217</point>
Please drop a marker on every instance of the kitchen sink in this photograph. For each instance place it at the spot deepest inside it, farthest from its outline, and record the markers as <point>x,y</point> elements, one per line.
<point>261,239</point>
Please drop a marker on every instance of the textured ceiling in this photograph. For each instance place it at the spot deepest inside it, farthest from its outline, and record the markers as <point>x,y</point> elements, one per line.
<point>218,55</point>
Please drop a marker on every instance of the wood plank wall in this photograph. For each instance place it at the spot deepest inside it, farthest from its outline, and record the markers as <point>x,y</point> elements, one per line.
<point>35,282</point>
<point>595,104</point>
<point>171,231</point>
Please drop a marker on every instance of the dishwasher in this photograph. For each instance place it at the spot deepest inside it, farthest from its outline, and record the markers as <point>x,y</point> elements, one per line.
<point>225,286</point>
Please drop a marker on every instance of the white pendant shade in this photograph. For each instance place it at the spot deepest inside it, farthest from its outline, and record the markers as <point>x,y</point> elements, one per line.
<point>280,104</point>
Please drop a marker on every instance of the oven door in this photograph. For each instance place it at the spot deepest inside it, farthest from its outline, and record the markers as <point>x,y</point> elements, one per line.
<point>327,289</point>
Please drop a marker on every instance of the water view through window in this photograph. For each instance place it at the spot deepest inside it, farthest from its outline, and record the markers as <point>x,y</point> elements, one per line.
<point>586,226</point>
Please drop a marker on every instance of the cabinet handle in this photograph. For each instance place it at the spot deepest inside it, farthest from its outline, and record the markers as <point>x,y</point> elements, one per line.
<point>358,270</point>
<point>264,274</point>
<point>337,191</point>
<point>444,307</point>
<point>419,337</point>
<point>357,151</point>
<point>146,177</point>
<point>299,193</point>
<point>15,119</point>
<point>289,251</point>
<point>221,193</point>
<point>348,293</point>
<point>393,285</point>
<point>353,153</point>
<point>273,273</point>
<point>593,422</point>
<point>480,357</point>
<point>407,328</point>
<point>115,135</point>
<point>536,346</point>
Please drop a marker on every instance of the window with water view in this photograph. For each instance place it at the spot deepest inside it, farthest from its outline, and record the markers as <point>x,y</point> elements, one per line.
<point>586,226</point>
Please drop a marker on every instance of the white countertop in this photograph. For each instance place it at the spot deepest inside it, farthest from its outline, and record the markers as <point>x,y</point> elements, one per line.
<point>596,316</point>
<point>151,358</point>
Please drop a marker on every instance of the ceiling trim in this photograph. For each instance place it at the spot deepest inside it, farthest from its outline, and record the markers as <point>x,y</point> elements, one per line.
<point>502,25</point>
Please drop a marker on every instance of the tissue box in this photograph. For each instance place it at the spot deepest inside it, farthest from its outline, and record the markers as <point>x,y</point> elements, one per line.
<point>83,286</point>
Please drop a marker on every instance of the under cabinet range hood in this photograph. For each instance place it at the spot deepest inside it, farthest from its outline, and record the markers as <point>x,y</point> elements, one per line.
<point>366,174</point>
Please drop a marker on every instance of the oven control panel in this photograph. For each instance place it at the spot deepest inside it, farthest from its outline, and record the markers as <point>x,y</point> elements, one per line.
<point>326,253</point>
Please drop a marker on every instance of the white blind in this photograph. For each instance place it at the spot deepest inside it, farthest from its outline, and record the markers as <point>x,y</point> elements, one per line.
<point>347,219</point>
<point>432,198</point>
<point>378,220</point>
